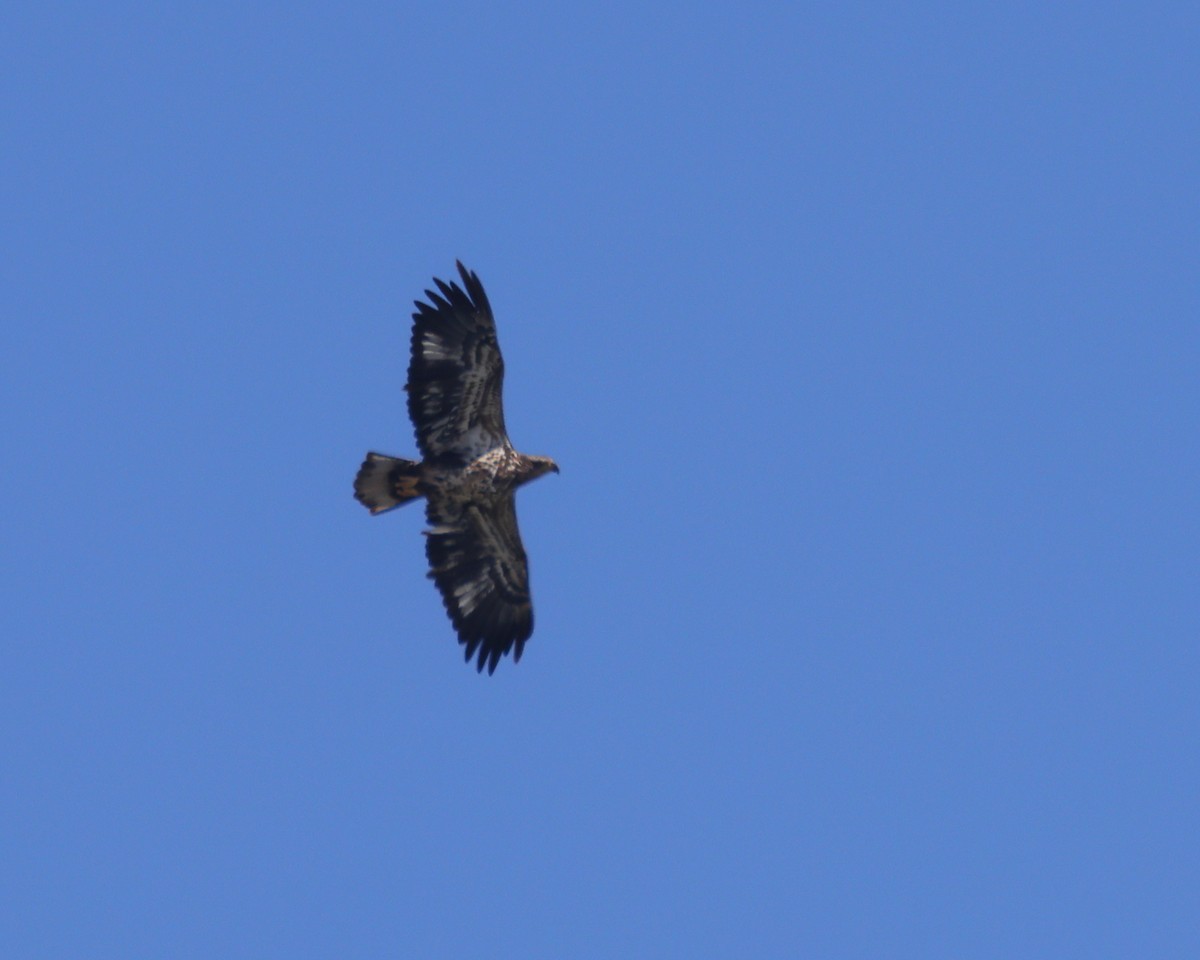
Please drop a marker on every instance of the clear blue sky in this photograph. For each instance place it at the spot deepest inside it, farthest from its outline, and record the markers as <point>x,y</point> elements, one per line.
<point>866,336</point>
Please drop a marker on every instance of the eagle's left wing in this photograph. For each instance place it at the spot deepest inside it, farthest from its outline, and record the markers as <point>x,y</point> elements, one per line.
<point>456,373</point>
<point>479,565</point>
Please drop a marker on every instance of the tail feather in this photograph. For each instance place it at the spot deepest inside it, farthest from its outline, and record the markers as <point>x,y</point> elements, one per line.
<point>386,482</point>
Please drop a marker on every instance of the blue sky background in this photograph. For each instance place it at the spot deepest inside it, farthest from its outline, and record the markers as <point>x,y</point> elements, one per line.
<point>866,338</point>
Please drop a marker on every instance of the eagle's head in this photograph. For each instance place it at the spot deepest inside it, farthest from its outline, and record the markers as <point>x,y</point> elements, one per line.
<point>537,466</point>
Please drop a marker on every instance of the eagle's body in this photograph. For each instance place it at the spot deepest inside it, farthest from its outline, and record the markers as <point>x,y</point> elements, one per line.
<point>469,474</point>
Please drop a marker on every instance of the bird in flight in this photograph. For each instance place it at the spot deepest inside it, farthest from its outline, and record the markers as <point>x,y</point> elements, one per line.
<point>468,474</point>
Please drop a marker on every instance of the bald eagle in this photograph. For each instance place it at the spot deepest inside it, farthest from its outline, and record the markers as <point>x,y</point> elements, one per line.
<point>468,474</point>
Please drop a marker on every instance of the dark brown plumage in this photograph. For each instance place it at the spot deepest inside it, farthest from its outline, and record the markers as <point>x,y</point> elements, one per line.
<point>468,475</point>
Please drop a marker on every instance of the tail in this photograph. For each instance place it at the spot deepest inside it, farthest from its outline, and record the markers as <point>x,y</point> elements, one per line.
<point>386,482</point>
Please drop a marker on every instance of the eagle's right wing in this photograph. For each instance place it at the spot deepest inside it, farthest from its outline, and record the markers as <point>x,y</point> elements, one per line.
<point>479,565</point>
<point>456,373</point>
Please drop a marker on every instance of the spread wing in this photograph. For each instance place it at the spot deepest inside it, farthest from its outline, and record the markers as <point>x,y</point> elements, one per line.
<point>456,373</point>
<point>477,561</point>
